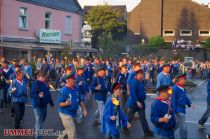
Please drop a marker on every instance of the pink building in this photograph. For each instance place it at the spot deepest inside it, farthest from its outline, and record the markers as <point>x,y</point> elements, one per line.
<point>34,27</point>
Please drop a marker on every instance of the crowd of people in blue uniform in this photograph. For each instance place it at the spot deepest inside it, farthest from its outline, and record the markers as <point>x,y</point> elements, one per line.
<point>118,86</point>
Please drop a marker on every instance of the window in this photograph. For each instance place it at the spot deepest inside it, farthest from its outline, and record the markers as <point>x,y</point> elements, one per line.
<point>185,32</point>
<point>48,20</point>
<point>23,18</point>
<point>204,33</point>
<point>136,33</point>
<point>68,25</point>
<point>168,33</point>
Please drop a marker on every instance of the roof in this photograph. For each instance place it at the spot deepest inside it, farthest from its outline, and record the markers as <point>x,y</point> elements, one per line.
<point>121,8</point>
<point>63,5</point>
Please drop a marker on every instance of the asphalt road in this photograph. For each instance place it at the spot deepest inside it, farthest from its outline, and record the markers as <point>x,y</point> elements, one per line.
<point>87,131</point>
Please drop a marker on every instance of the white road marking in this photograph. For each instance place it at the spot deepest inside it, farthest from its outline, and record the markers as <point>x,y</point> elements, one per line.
<point>201,83</point>
<point>151,94</point>
<point>193,122</point>
<point>28,105</point>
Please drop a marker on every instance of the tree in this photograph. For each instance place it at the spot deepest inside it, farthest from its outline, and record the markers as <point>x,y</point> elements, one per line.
<point>207,43</point>
<point>104,20</point>
<point>156,41</point>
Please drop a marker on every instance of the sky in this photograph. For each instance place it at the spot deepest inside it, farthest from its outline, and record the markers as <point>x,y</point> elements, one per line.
<point>129,3</point>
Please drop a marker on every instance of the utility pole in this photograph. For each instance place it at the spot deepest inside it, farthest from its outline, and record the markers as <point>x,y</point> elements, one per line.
<point>161,17</point>
<point>1,21</point>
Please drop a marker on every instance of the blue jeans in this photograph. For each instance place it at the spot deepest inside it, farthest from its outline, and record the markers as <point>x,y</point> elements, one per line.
<point>40,115</point>
<point>99,112</point>
<point>79,115</point>
<point>205,116</point>
<point>181,124</point>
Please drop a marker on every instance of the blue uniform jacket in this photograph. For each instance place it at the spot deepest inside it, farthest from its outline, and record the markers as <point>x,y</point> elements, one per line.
<point>176,69</point>
<point>74,96</point>
<point>158,110</point>
<point>84,87</point>
<point>131,75</point>
<point>46,67</point>
<point>152,71</point>
<point>7,76</point>
<point>28,70</point>
<point>137,93</point>
<point>110,72</point>
<point>89,71</point>
<point>163,79</point>
<point>73,68</point>
<point>20,95</point>
<point>109,126</point>
<point>122,79</point>
<point>180,100</point>
<point>100,95</point>
<point>12,76</point>
<point>36,88</point>
<point>129,66</point>
<point>62,79</point>
<point>208,91</point>
<point>2,80</point>
<point>160,68</point>
<point>11,66</point>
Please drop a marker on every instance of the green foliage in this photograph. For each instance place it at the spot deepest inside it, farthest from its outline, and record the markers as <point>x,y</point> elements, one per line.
<point>115,49</point>
<point>33,65</point>
<point>106,40</point>
<point>104,18</point>
<point>105,22</point>
<point>176,57</point>
<point>207,43</point>
<point>156,41</point>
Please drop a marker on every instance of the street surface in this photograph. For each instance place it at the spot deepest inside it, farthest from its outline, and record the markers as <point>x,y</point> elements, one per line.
<point>87,131</point>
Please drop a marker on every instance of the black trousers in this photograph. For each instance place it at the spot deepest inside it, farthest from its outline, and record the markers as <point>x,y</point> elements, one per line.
<point>3,97</point>
<point>19,113</point>
<point>142,117</point>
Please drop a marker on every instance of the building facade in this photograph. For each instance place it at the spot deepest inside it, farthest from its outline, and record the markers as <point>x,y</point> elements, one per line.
<point>171,19</point>
<point>35,27</point>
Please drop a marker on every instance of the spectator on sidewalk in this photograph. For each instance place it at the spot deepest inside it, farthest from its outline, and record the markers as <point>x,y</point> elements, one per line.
<point>205,116</point>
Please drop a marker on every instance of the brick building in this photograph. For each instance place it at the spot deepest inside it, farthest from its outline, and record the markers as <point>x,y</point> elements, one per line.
<point>172,19</point>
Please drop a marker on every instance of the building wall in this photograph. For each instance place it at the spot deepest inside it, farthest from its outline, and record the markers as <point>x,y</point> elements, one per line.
<point>185,14</point>
<point>177,15</point>
<point>36,14</point>
<point>145,19</point>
